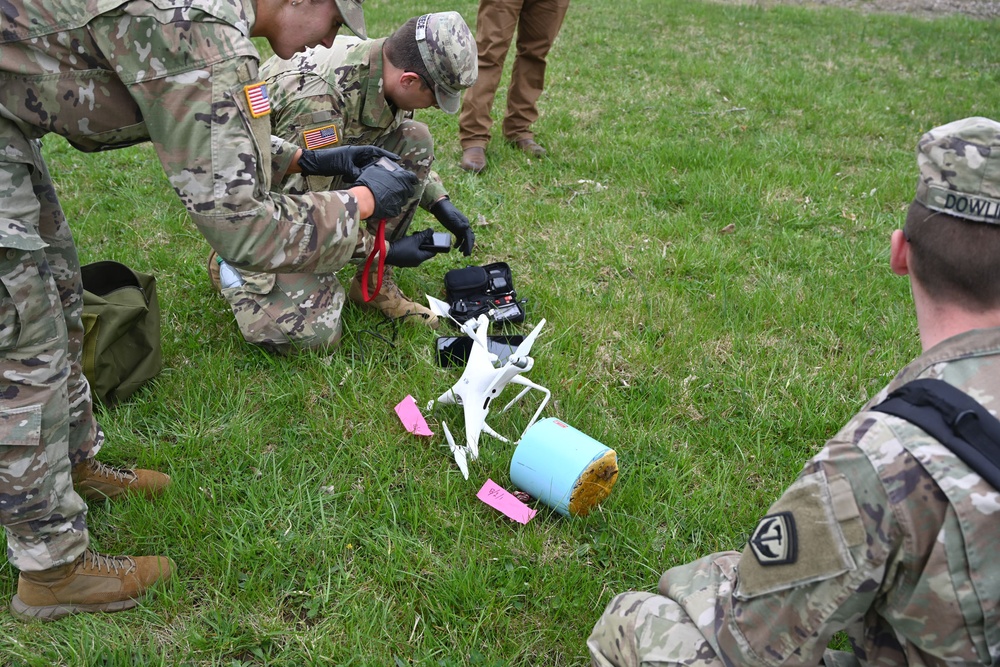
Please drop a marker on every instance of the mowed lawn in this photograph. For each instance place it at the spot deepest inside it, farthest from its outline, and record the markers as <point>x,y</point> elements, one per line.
<point>708,242</point>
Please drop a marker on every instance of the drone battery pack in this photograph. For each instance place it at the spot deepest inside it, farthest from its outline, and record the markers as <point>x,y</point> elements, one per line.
<point>476,290</point>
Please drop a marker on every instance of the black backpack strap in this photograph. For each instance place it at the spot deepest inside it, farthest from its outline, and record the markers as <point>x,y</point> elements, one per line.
<point>952,417</point>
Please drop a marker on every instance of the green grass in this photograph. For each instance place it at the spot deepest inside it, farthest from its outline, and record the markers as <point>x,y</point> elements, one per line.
<point>716,308</point>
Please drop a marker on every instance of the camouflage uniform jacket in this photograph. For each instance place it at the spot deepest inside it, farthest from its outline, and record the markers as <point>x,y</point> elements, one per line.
<point>335,94</point>
<point>183,74</point>
<point>897,543</point>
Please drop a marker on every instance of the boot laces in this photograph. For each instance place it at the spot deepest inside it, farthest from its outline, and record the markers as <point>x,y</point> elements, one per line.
<point>391,290</point>
<point>112,564</point>
<point>118,474</point>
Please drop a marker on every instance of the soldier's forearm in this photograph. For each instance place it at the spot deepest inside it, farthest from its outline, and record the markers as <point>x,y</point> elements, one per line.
<point>293,166</point>
<point>366,201</point>
<point>434,191</point>
<point>284,156</point>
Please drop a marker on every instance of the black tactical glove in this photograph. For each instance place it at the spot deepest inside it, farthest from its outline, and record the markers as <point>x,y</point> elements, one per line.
<point>406,251</point>
<point>344,161</point>
<point>455,222</point>
<point>391,189</point>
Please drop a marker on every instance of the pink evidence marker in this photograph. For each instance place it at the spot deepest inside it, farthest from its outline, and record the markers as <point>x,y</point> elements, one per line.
<point>500,499</point>
<point>409,414</point>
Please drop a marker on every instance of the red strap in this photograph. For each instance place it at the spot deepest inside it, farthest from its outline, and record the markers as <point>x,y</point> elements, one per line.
<point>378,249</point>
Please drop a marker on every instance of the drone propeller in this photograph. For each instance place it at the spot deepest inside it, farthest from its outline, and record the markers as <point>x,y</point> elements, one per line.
<point>469,327</point>
<point>458,452</point>
<point>440,308</point>
<point>525,347</point>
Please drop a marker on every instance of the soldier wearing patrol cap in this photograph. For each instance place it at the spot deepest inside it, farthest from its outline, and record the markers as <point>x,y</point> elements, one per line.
<point>353,15</point>
<point>183,75</point>
<point>887,534</point>
<point>359,93</point>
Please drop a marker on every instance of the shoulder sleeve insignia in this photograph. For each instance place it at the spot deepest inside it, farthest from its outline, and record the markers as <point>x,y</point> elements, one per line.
<point>319,137</point>
<point>774,540</point>
<point>257,99</point>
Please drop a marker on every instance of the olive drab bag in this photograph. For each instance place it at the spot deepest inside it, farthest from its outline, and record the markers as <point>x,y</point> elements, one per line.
<point>121,325</point>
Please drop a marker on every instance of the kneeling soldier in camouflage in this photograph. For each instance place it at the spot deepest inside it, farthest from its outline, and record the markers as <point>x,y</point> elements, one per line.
<point>360,93</point>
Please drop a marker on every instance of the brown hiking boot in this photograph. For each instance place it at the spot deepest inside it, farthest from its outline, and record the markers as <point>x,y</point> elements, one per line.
<point>93,582</point>
<point>213,271</point>
<point>94,480</point>
<point>473,159</point>
<point>392,303</point>
<point>529,146</point>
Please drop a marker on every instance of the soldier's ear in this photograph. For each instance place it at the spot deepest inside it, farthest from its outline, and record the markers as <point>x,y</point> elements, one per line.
<point>406,79</point>
<point>899,249</point>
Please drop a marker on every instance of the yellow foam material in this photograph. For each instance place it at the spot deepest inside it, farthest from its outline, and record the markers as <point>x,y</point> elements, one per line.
<point>594,484</point>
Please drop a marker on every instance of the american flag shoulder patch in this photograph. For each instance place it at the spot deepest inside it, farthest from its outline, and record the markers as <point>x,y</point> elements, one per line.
<point>318,137</point>
<point>260,103</point>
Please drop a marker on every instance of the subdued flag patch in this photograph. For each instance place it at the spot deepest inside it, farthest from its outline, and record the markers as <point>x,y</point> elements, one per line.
<point>774,540</point>
<point>260,103</point>
<point>318,137</point>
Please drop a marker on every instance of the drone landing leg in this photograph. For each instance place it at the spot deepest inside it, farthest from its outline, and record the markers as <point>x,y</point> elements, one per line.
<point>528,386</point>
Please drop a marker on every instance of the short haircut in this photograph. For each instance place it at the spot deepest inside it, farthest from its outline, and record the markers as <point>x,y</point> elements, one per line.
<point>954,259</point>
<point>402,51</point>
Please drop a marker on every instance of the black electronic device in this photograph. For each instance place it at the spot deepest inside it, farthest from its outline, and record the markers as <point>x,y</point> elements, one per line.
<point>483,290</point>
<point>441,242</point>
<point>387,164</point>
<point>455,350</point>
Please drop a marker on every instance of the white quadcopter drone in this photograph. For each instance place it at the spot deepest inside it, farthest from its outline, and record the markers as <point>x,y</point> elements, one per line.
<point>482,381</point>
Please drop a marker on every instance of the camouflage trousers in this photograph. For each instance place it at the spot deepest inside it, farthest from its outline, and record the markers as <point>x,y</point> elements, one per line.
<point>46,415</point>
<point>289,311</point>
<point>640,629</point>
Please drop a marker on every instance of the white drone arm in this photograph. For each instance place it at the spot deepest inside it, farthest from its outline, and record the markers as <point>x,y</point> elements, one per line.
<point>506,374</point>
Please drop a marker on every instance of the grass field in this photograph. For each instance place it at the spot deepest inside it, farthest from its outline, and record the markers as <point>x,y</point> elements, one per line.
<point>708,242</point>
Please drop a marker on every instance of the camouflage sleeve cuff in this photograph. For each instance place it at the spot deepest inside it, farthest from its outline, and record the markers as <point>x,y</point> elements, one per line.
<point>364,246</point>
<point>433,190</point>
<point>282,153</point>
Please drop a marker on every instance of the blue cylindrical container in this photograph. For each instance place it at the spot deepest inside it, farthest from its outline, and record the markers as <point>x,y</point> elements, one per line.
<point>564,468</point>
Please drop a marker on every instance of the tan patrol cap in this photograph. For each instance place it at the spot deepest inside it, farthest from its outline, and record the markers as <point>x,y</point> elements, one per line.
<point>354,16</point>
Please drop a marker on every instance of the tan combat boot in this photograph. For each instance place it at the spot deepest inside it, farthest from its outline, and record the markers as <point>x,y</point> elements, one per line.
<point>94,481</point>
<point>391,301</point>
<point>94,582</point>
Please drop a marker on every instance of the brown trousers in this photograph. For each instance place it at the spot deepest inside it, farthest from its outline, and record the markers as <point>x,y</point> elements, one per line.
<point>537,23</point>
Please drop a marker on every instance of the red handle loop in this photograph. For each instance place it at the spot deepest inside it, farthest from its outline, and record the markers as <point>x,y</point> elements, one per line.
<point>378,249</point>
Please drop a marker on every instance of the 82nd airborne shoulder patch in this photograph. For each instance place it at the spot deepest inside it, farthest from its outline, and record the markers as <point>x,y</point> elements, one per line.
<point>257,99</point>
<point>774,540</point>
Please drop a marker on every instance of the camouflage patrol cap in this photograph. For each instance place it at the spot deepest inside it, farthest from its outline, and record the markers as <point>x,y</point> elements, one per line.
<point>448,50</point>
<point>960,169</point>
<point>354,16</point>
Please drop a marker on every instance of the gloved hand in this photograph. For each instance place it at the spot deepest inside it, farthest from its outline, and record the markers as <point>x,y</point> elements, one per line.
<point>455,222</point>
<point>406,251</point>
<point>391,189</point>
<point>344,161</point>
